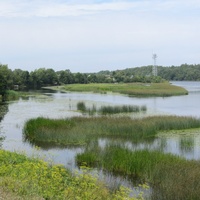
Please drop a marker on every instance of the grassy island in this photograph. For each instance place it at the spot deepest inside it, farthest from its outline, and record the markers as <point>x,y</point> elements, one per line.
<point>81,130</point>
<point>132,89</point>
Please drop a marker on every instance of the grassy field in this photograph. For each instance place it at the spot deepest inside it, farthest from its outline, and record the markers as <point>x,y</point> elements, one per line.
<point>30,178</point>
<point>132,89</point>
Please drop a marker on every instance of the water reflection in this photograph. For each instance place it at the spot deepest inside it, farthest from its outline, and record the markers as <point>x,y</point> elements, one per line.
<point>186,144</point>
<point>3,111</point>
<point>46,146</point>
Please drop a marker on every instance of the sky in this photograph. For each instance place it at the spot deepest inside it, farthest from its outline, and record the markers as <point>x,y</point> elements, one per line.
<point>94,35</point>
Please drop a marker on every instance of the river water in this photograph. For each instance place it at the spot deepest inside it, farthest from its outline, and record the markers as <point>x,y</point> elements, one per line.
<point>63,105</point>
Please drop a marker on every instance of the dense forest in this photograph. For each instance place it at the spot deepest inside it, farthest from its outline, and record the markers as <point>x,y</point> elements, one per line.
<point>23,80</point>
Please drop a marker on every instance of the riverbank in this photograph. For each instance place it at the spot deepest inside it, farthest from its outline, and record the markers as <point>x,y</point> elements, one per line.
<point>132,89</point>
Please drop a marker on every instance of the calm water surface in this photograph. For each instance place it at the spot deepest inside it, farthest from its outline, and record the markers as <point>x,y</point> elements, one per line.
<point>63,105</point>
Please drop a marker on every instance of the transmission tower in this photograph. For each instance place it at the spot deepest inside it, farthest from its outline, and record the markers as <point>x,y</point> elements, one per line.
<point>154,69</point>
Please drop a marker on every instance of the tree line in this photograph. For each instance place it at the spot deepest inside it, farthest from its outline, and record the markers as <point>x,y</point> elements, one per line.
<point>184,72</point>
<point>24,80</point>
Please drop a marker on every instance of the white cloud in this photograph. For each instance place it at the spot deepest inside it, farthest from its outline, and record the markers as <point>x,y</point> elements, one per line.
<point>43,8</point>
<point>55,9</point>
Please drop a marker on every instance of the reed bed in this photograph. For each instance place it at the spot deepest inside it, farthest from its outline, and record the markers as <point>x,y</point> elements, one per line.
<point>104,110</point>
<point>81,130</point>
<point>171,177</point>
<point>81,106</point>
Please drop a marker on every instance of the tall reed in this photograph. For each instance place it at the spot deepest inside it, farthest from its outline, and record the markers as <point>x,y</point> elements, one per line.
<point>104,110</point>
<point>80,130</point>
<point>171,177</point>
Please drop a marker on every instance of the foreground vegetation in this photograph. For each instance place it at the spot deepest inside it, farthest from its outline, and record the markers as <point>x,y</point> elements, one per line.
<point>25,178</point>
<point>132,89</point>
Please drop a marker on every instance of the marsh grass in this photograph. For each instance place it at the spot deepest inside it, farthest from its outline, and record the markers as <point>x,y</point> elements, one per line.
<point>81,130</point>
<point>120,109</point>
<point>120,160</point>
<point>171,177</point>
<point>12,95</point>
<point>30,178</point>
<point>133,89</point>
<point>104,110</point>
<point>81,106</point>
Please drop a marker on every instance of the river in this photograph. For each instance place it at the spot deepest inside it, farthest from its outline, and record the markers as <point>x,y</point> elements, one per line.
<point>63,105</point>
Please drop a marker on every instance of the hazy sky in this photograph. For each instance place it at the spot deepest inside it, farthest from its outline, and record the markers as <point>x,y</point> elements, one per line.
<point>89,35</point>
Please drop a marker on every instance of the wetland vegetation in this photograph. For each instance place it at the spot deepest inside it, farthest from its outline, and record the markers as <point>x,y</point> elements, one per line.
<point>104,110</point>
<point>81,130</point>
<point>170,176</point>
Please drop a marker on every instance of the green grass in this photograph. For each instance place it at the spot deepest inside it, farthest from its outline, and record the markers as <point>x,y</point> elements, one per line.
<point>30,178</point>
<point>133,89</point>
<point>170,177</point>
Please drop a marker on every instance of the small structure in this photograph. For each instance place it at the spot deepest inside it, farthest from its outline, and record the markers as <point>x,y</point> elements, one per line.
<point>16,87</point>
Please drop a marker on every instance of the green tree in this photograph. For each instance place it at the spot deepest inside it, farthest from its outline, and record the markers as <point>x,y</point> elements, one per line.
<point>80,78</point>
<point>5,80</point>
<point>92,78</point>
<point>50,77</point>
<point>43,77</point>
<point>21,78</point>
<point>65,77</point>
